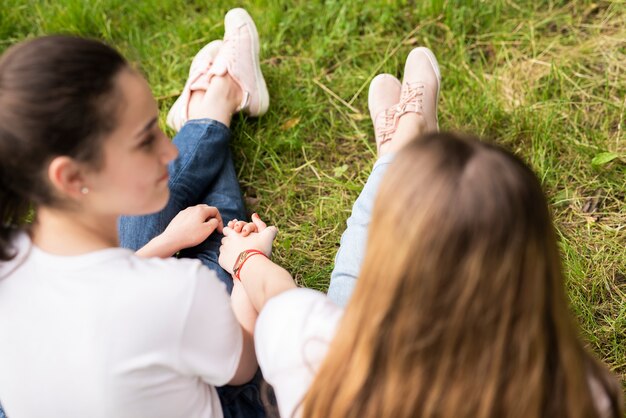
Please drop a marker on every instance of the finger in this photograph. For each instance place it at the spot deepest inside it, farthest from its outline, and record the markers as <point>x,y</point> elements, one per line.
<point>231,223</point>
<point>212,212</point>
<point>270,232</point>
<point>211,225</point>
<point>227,231</point>
<point>239,226</point>
<point>260,225</point>
<point>220,222</point>
<point>248,229</point>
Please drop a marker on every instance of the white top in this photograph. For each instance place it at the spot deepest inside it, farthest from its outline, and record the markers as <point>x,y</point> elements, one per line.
<point>109,334</point>
<point>292,336</point>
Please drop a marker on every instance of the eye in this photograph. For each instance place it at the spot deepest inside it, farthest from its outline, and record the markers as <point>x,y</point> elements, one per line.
<point>148,142</point>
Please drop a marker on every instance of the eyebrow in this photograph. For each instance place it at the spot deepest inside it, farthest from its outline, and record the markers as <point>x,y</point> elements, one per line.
<point>146,128</point>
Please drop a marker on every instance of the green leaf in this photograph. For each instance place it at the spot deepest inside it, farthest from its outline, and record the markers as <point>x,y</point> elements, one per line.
<point>338,171</point>
<point>604,158</point>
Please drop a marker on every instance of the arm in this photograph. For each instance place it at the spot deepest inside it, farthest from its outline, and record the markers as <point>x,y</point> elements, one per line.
<point>159,246</point>
<point>263,279</point>
<point>188,229</point>
<point>247,316</point>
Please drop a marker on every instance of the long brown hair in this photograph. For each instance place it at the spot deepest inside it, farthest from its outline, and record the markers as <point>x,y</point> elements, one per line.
<point>460,309</point>
<point>56,98</point>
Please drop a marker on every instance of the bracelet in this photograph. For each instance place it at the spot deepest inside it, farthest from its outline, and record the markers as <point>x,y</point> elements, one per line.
<point>241,260</point>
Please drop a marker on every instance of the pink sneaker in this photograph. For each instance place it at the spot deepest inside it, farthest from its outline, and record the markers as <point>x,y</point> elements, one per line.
<point>420,87</point>
<point>239,57</point>
<point>198,80</point>
<point>382,98</point>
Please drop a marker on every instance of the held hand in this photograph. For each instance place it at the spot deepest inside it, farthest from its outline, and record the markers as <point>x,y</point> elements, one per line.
<point>192,226</point>
<point>235,242</point>
<point>246,228</point>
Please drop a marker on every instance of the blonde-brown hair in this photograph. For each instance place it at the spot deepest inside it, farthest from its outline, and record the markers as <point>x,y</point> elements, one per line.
<point>460,309</point>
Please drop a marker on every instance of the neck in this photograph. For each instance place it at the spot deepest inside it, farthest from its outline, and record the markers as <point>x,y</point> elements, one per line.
<point>64,232</point>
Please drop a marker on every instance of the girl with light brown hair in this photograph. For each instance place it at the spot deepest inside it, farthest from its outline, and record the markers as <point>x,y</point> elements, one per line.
<point>459,308</point>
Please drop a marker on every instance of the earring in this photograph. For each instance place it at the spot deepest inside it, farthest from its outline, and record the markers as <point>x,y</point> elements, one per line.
<point>84,190</point>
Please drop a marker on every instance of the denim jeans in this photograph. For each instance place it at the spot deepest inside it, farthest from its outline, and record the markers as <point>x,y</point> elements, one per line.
<point>245,401</point>
<point>352,248</point>
<point>202,173</point>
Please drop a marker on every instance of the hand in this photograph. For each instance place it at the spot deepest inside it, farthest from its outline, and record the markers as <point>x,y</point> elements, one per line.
<point>246,228</point>
<point>192,226</point>
<point>235,242</point>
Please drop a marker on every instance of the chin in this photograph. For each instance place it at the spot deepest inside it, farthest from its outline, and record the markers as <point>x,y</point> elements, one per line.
<point>154,206</point>
<point>161,203</point>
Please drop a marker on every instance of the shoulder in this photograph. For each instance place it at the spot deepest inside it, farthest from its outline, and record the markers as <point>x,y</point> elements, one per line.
<point>296,327</point>
<point>301,304</point>
<point>600,395</point>
<point>292,337</point>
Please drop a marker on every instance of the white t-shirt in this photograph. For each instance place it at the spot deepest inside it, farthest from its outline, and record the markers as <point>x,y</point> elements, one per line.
<point>109,334</point>
<point>292,336</point>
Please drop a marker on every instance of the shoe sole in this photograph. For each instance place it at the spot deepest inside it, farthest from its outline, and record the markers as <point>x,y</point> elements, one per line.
<point>261,87</point>
<point>435,65</point>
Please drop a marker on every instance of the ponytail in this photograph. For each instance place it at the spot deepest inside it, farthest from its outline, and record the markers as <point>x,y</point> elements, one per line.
<point>13,211</point>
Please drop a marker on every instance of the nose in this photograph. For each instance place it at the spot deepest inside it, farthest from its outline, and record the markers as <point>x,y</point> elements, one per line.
<point>169,151</point>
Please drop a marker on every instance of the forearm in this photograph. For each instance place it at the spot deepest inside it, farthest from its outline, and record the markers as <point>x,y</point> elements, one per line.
<point>247,362</point>
<point>246,316</point>
<point>263,279</point>
<point>242,307</point>
<point>157,247</point>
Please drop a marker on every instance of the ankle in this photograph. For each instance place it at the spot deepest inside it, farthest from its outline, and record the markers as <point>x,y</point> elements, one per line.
<point>224,90</point>
<point>218,102</point>
<point>410,126</point>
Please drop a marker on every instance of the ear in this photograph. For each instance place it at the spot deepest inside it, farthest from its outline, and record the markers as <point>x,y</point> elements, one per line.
<point>66,177</point>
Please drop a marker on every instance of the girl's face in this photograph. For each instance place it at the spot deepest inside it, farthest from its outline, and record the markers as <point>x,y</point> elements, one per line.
<point>134,177</point>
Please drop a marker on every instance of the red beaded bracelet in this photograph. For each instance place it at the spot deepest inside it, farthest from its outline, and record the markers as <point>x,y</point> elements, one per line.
<point>241,260</point>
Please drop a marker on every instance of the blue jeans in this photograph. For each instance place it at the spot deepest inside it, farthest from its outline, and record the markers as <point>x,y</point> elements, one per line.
<point>244,401</point>
<point>352,249</point>
<point>202,173</point>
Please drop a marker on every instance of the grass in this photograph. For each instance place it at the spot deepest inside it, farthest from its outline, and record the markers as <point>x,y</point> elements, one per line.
<point>545,79</point>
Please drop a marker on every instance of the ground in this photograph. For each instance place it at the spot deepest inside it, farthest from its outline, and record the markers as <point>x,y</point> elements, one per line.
<point>544,79</point>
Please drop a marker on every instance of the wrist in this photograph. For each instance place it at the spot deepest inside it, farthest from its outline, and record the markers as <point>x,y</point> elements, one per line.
<point>157,247</point>
<point>243,259</point>
<point>166,244</point>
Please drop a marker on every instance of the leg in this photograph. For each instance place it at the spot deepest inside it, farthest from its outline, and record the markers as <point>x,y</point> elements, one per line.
<point>225,77</point>
<point>251,400</point>
<point>224,194</point>
<point>203,156</point>
<point>202,173</point>
<point>352,249</point>
<point>400,112</point>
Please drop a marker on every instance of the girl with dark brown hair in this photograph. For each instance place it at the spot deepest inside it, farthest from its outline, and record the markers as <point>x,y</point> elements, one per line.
<point>90,329</point>
<point>459,308</point>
